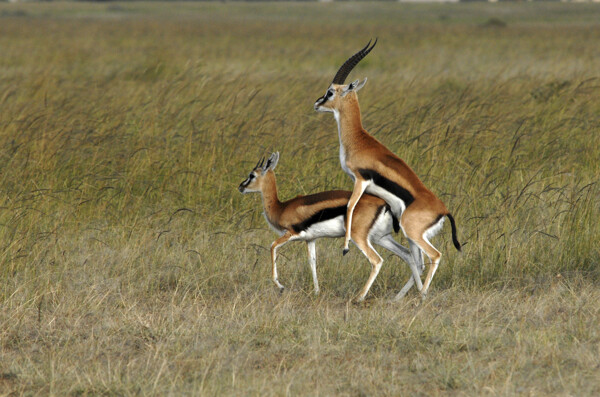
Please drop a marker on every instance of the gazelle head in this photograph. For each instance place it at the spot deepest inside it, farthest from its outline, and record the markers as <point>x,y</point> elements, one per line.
<point>254,182</point>
<point>338,91</point>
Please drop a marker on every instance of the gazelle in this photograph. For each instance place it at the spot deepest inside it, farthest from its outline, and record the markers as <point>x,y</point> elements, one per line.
<point>307,218</point>
<point>378,171</point>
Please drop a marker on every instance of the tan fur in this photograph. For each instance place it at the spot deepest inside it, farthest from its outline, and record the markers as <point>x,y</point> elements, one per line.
<point>363,151</point>
<point>284,215</point>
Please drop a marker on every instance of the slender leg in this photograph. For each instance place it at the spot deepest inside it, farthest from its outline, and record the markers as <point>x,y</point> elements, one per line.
<point>312,259</point>
<point>435,256</point>
<point>418,263</point>
<point>416,223</point>
<point>435,261</point>
<point>376,262</point>
<point>276,244</point>
<point>390,244</point>
<point>359,188</point>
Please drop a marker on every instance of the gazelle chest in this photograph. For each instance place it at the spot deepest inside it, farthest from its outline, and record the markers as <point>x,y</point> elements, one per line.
<point>343,162</point>
<point>273,227</point>
<point>347,170</point>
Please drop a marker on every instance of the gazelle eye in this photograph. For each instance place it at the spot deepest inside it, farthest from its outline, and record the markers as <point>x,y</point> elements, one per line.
<point>329,93</point>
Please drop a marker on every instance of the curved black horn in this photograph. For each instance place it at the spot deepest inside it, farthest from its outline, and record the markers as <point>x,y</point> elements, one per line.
<point>347,67</point>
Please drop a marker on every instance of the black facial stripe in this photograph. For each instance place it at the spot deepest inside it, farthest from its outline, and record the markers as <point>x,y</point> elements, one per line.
<point>388,185</point>
<point>321,216</point>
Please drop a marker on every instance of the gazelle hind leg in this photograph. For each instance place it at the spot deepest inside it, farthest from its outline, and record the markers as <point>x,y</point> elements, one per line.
<point>390,244</point>
<point>359,188</point>
<point>419,223</point>
<point>376,262</point>
<point>312,258</point>
<point>276,244</point>
<point>417,259</point>
<point>435,256</point>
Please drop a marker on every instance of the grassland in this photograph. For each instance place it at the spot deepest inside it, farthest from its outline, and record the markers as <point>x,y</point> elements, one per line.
<point>130,264</point>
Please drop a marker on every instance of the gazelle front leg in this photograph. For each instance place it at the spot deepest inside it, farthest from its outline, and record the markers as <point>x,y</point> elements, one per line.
<point>276,244</point>
<point>312,258</point>
<point>359,188</point>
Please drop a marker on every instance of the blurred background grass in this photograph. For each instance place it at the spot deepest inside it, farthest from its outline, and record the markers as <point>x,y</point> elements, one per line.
<point>125,129</point>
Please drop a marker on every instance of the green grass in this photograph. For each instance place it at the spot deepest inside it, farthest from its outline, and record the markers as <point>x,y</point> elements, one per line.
<point>131,265</point>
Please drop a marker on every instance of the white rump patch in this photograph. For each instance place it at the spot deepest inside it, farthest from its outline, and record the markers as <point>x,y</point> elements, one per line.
<point>434,229</point>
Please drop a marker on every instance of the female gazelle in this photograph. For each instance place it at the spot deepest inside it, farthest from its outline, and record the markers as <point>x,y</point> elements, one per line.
<point>307,218</point>
<point>378,171</point>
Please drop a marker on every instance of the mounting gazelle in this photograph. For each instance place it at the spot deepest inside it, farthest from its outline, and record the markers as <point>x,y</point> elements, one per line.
<point>378,171</point>
<point>307,218</point>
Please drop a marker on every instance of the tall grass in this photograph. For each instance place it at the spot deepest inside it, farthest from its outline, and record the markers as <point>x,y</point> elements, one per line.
<point>130,264</point>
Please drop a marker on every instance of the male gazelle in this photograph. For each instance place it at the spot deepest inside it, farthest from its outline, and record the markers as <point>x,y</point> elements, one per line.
<point>307,218</point>
<point>378,171</point>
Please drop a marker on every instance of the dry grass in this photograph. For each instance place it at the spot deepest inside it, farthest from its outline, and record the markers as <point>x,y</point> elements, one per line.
<point>130,264</point>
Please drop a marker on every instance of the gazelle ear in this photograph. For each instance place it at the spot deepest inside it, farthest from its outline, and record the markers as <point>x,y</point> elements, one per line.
<point>354,86</point>
<point>272,161</point>
<point>358,85</point>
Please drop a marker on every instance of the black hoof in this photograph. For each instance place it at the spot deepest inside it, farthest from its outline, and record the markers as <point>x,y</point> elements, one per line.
<point>281,290</point>
<point>345,251</point>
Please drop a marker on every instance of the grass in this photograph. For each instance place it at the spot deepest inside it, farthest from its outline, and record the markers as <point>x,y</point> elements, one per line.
<point>130,264</point>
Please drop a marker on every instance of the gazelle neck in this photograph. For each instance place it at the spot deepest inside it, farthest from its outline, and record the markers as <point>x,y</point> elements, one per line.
<point>348,120</point>
<point>271,203</point>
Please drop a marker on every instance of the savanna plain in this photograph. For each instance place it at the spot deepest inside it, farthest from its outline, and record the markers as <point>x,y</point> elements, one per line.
<point>131,265</point>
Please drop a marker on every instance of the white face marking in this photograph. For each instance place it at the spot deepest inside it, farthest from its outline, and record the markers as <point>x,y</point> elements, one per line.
<point>329,95</point>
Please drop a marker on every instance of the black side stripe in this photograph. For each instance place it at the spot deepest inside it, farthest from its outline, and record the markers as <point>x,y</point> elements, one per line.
<point>388,185</point>
<point>386,208</point>
<point>395,222</point>
<point>321,216</point>
<point>380,209</point>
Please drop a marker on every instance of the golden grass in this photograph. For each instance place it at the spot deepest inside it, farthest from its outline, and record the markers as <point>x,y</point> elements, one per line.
<point>131,265</point>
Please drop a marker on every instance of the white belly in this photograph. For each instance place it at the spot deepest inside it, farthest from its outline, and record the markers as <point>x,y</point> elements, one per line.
<point>397,205</point>
<point>329,228</point>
